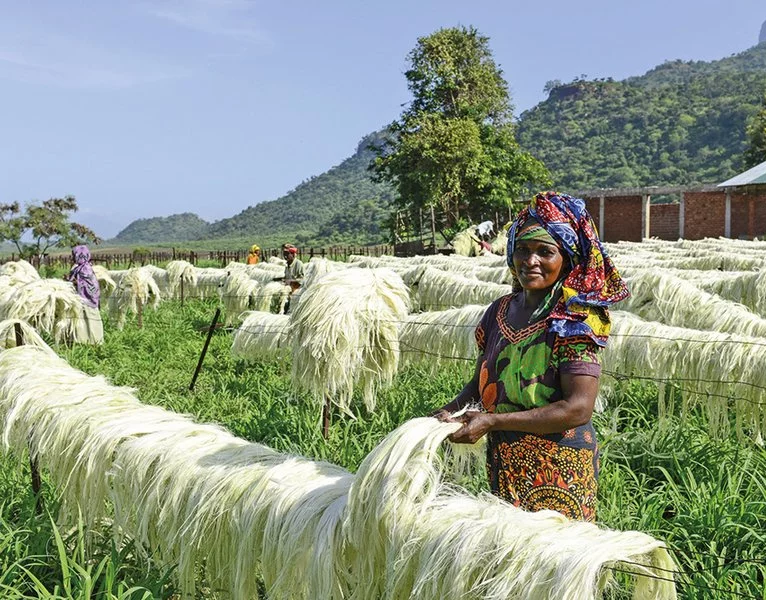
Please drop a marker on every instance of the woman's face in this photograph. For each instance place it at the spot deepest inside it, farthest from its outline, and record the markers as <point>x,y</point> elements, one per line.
<point>538,264</point>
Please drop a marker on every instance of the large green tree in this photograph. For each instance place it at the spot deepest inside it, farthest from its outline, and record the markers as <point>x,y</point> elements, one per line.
<point>37,228</point>
<point>454,146</point>
<point>755,153</point>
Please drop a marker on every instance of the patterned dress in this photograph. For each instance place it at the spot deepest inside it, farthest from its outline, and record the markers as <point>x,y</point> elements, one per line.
<point>522,369</point>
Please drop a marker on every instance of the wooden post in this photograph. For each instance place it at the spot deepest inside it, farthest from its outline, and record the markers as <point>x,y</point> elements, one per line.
<point>34,468</point>
<point>204,348</point>
<point>140,314</point>
<point>326,418</point>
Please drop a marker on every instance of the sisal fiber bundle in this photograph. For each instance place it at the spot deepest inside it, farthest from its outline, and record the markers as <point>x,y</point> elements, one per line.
<point>465,243</point>
<point>440,338</point>
<point>19,272</point>
<point>54,307</point>
<point>345,334</point>
<point>272,297</point>
<point>439,290</point>
<point>192,494</point>
<point>136,286</point>
<point>721,372</point>
<point>262,336</point>
<point>675,301</point>
<point>238,294</point>
<point>178,271</point>
<point>106,284</point>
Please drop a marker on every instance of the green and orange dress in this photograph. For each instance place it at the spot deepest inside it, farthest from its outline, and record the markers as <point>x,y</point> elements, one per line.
<point>521,369</point>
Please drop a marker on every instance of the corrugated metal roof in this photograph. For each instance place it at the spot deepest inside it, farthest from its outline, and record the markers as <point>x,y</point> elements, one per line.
<point>750,177</point>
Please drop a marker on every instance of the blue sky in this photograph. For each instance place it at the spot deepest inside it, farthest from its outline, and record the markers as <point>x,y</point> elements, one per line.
<point>151,108</point>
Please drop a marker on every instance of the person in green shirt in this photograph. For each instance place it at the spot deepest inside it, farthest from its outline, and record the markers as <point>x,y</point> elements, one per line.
<point>294,270</point>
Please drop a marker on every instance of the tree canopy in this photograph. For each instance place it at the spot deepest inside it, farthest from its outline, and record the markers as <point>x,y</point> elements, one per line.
<point>454,146</point>
<point>37,228</point>
<point>755,153</point>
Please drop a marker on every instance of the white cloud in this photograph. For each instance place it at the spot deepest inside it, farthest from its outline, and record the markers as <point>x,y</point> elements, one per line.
<point>53,59</point>
<point>73,74</point>
<point>226,18</point>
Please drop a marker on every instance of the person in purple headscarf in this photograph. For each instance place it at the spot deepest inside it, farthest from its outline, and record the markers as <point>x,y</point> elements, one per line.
<point>83,277</point>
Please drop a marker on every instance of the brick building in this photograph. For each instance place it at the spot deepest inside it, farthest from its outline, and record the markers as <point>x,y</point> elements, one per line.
<point>735,208</point>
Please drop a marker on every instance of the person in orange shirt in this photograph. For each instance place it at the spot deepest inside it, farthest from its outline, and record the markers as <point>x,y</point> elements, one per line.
<point>254,256</point>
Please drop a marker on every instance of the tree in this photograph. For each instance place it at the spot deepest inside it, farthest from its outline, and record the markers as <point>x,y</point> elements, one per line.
<point>454,146</point>
<point>551,85</point>
<point>755,153</point>
<point>45,226</point>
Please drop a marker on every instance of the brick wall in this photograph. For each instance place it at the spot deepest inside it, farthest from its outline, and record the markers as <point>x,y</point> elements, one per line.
<point>704,214</point>
<point>663,222</point>
<point>593,205</point>
<point>760,215</point>
<point>739,215</point>
<point>622,219</point>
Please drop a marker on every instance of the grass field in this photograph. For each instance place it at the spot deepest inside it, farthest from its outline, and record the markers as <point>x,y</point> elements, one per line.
<point>705,497</point>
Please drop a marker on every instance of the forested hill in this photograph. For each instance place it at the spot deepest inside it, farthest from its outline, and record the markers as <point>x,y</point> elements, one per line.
<point>342,205</point>
<point>175,228</point>
<point>680,123</point>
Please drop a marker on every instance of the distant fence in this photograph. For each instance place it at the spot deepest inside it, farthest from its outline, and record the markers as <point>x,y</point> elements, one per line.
<point>223,257</point>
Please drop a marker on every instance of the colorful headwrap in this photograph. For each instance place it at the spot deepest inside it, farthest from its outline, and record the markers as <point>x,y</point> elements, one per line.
<point>289,248</point>
<point>255,249</point>
<point>592,284</point>
<point>83,277</point>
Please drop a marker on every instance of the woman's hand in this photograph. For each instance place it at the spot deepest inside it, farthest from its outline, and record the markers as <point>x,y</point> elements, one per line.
<point>442,414</point>
<point>475,425</point>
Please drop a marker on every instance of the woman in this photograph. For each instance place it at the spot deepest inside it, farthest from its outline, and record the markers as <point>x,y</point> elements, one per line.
<point>537,373</point>
<point>83,277</point>
<point>254,256</point>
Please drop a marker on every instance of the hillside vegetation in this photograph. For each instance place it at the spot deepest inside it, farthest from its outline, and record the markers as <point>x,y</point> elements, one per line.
<point>175,228</point>
<point>680,123</point>
<point>342,205</point>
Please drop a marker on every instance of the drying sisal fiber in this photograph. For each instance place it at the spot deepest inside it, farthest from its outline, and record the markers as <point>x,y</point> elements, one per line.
<point>238,294</point>
<point>54,307</point>
<point>262,336</point>
<point>721,372</point>
<point>442,337</point>
<point>345,334</point>
<point>193,494</point>
<point>661,297</point>
<point>136,286</point>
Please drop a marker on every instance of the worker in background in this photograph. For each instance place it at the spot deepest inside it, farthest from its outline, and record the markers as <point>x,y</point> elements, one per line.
<point>83,278</point>
<point>294,269</point>
<point>485,229</point>
<point>254,256</point>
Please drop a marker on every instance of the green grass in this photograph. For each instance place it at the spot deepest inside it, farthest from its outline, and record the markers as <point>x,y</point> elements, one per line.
<point>706,497</point>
